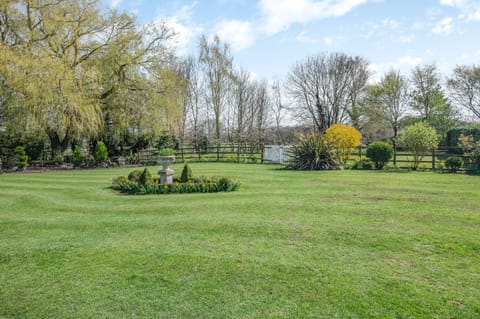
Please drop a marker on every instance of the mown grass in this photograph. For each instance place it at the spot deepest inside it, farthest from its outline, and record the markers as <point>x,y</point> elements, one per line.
<point>339,244</point>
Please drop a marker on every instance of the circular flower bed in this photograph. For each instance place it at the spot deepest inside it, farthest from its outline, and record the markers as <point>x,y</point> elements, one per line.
<point>142,183</point>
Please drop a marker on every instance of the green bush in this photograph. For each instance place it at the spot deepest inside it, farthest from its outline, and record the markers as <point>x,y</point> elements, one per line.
<point>454,134</point>
<point>117,182</point>
<point>77,157</point>
<point>454,163</point>
<point>21,157</point>
<point>145,178</point>
<point>311,153</point>
<point>200,185</point>
<point>166,152</point>
<point>361,163</point>
<point>419,138</point>
<point>101,152</point>
<point>134,176</point>
<point>379,153</point>
<point>186,174</point>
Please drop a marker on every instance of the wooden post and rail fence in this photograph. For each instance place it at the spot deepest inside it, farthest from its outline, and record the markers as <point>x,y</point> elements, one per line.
<point>279,154</point>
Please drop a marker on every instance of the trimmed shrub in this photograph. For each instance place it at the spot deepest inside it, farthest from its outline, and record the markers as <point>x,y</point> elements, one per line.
<point>186,174</point>
<point>101,152</point>
<point>380,153</point>
<point>117,182</point>
<point>77,157</point>
<point>166,152</point>
<point>145,178</point>
<point>454,163</point>
<point>21,157</point>
<point>311,153</point>
<point>361,163</point>
<point>201,185</point>
<point>134,176</point>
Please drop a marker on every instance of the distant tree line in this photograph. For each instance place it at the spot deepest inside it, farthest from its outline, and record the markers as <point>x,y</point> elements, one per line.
<point>72,74</point>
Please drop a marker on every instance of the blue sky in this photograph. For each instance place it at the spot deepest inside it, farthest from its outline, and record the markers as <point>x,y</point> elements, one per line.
<point>268,36</point>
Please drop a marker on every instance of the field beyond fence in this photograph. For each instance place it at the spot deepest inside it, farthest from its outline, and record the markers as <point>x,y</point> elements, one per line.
<point>281,154</point>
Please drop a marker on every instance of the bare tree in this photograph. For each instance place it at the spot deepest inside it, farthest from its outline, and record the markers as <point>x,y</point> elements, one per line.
<point>216,62</point>
<point>243,95</point>
<point>464,86</point>
<point>359,79</point>
<point>277,110</point>
<point>260,112</point>
<point>192,107</point>
<point>325,86</point>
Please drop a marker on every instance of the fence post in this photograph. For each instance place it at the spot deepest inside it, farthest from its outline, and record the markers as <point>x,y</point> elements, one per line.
<point>238,151</point>
<point>433,160</point>
<point>394,155</point>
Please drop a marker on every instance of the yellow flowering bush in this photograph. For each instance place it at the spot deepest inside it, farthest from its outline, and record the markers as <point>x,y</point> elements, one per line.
<point>342,139</point>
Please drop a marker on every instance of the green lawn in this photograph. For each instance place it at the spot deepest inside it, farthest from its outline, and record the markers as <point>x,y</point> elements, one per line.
<point>339,244</point>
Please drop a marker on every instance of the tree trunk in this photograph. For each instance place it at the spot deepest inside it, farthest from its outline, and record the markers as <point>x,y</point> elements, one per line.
<point>57,144</point>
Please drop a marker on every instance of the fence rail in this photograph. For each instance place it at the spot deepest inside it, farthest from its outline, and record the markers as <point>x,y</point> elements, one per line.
<point>280,154</point>
<point>222,153</point>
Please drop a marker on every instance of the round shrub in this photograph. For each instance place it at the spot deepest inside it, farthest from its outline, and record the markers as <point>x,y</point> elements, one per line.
<point>419,138</point>
<point>454,163</point>
<point>145,178</point>
<point>134,176</point>
<point>166,152</point>
<point>379,153</point>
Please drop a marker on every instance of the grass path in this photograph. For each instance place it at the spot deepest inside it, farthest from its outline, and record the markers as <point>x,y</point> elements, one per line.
<point>340,244</point>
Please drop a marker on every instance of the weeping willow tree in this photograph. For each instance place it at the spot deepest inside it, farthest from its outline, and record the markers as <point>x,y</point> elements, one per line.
<point>67,69</point>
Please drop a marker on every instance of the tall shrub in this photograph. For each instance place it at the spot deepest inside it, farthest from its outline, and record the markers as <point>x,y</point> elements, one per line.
<point>419,138</point>
<point>471,148</point>
<point>21,157</point>
<point>186,174</point>
<point>77,157</point>
<point>342,139</point>
<point>101,152</point>
<point>380,153</point>
<point>311,153</point>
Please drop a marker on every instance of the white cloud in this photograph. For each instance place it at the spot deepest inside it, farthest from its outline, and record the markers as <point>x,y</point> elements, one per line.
<point>469,57</point>
<point>406,38</point>
<point>444,26</point>
<point>185,30</point>
<point>470,9</point>
<point>381,28</point>
<point>239,34</point>
<point>390,23</point>
<point>281,14</point>
<point>304,37</point>
<point>328,40</point>
<point>403,64</point>
<point>410,61</point>
<point>115,3</point>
